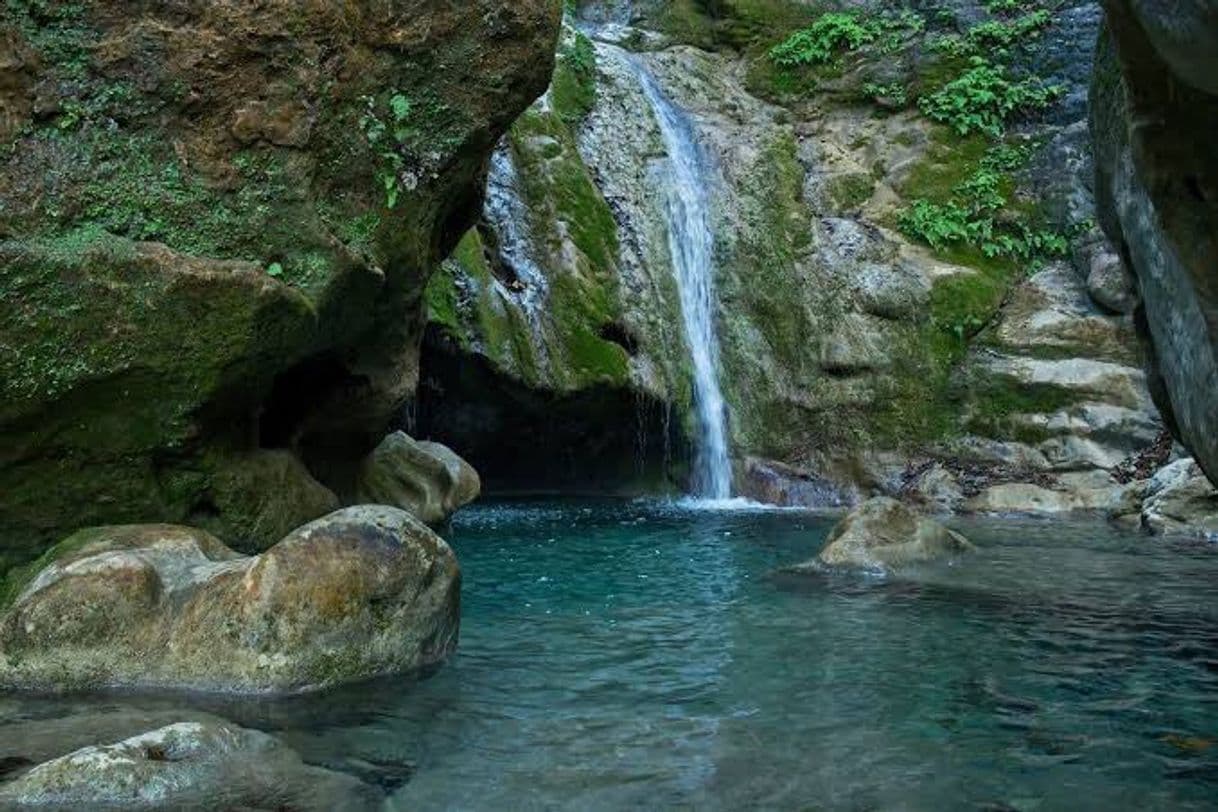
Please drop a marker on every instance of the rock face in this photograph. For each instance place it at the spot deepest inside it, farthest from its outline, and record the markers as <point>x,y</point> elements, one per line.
<point>217,223</point>
<point>1154,112</point>
<point>426,479</point>
<point>855,357</point>
<point>187,765</point>
<point>884,535</point>
<point>363,592</point>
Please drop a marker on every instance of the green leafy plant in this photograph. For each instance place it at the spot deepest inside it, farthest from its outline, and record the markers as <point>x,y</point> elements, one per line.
<point>971,216</point>
<point>892,94</point>
<point>820,42</point>
<point>984,97</point>
<point>389,135</point>
<point>985,38</point>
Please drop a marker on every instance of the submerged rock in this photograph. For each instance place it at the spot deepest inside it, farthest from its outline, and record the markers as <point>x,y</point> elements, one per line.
<point>428,479</point>
<point>187,765</point>
<point>363,592</point>
<point>883,534</point>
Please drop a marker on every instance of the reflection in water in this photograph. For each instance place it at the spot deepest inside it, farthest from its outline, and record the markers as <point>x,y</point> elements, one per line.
<point>621,655</point>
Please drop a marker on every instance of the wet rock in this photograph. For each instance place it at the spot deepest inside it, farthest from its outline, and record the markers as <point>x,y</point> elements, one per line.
<point>774,483</point>
<point>187,765</point>
<point>1179,500</point>
<point>363,592</point>
<point>427,479</point>
<point>882,534</point>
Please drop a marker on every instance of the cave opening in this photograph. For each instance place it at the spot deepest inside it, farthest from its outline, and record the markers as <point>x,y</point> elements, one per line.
<point>520,439</point>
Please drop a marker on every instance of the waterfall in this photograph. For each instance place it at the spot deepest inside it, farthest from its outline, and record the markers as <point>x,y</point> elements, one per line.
<point>691,245</point>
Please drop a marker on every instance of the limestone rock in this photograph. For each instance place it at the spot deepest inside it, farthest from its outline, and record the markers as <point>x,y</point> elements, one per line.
<point>882,534</point>
<point>1179,500</point>
<point>187,765</point>
<point>1026,498</point>
<point>427,479</point>
<point>1154,111</point>
<point>1110,284</point>
<point>363,592</point>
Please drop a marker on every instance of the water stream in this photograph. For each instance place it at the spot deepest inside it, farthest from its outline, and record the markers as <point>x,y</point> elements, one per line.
<point>691,246</point>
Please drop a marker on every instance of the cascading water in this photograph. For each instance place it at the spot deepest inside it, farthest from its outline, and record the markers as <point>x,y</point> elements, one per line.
<point>691,245</point>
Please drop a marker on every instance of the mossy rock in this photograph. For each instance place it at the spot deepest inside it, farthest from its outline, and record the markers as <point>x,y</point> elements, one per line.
<point>216,230</point>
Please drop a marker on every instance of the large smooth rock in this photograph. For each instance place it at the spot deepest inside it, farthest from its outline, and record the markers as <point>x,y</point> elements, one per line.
<point>1154,112</point>
<point>882,535</point>
<point>1180,501</point>
<point>363,592</point>
<point>428,479</point>
<point>187,765</point>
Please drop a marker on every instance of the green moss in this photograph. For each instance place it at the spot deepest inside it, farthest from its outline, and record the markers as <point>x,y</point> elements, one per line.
<point>573,87</point>
<point>997,404</point>
<point>777,235</point>
<point>849,192</point>
<point>18,578</point>
<point>559,189</point>
<point>72,353</point>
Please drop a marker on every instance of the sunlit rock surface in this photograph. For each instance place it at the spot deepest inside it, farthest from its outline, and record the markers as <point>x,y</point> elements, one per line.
<point>885,535</point>
<point>363,592</point>
<point>427,479</point>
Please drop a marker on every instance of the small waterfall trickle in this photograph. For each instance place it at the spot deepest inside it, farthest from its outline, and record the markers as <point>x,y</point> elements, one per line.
<point>691,245</point>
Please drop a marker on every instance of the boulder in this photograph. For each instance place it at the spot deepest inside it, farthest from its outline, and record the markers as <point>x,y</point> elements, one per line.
<point>246,203</point>
<point>1154,111</point>
<point>1180,501</point>
<point>883,535</point>
<point>187,765</point>
<point>363,592</point>
<point>427,479</point>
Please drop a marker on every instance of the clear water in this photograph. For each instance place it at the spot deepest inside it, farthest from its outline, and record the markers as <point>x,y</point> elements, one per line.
<point>691,246</point>
<point>636,656</point>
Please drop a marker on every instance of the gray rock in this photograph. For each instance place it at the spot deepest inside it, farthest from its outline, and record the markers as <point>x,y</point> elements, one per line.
<point>188,765</point>
<point>363,592</point>
<point>1154,113</point>
<point>884,535</point>
<point>1185,35</point>
<point>427,479</point>
<point>1067,496</point>
<point>1180,501</point>
<point>1109,283</point>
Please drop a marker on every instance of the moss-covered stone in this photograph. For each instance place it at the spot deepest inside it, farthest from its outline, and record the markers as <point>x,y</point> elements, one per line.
<point>209,208</point>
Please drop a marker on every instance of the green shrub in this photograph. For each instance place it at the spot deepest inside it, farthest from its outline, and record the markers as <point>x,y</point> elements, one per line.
<point>970,217</point>
<point>817,44</point>
<point>984,98</point>
<point>890,93</point>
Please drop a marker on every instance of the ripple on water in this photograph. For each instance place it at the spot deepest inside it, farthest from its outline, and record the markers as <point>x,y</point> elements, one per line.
<point>639,655</point>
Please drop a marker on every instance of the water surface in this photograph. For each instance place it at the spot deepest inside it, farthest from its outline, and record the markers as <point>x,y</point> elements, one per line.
<point>641,656</point>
